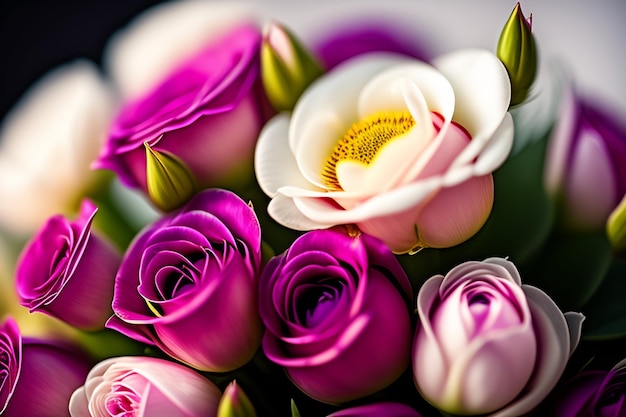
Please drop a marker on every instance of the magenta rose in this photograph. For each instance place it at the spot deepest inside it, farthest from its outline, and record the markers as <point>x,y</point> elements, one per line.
<point>387,409</point>
<point>586,162</point>
<point>67,271</point>
<point>594,393</point>
<point>337,45</point>
<point>144,387</point>
<point>208,113</point>
<point>487,344</point>
<point>337,313</point>
<point>37,377</point>
<point>188,283</point>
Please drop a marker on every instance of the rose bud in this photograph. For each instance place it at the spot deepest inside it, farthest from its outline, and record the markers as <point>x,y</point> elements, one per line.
<point>144,387</point>
<point>68,271</point>
<point>235,403</point>
<point>518,52</point>
<point>337,316</point>
<point>584,169</point>
<point>188,283</point>
<point>594,393</point>
<point>387,409</point>
<point>207,113</point>
<point>287,67</point>
<point>487,344</point>
<point>37,376</point>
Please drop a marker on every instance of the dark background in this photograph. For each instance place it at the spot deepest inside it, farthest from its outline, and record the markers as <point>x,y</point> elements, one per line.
<point>39,35</point>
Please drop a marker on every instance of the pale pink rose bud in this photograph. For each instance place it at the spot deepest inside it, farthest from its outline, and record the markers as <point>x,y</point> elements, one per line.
<point>144,387</point>
<point>487,344</point>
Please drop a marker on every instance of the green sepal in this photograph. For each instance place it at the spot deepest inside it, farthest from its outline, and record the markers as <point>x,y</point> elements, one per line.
<point>235,403</point>
<point>518,52</point>
<point>169,181</point>
<point>616,227</point>
<point>294,409</point>
<point>285,81</point>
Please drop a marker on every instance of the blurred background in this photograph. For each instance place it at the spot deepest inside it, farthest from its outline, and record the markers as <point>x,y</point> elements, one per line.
<point>37,35</point>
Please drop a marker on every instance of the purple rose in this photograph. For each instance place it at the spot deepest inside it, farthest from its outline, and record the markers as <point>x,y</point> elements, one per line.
<point>337,45</point>
<point>137,386</point>
<point>188,283</point>
<point>387,409</point>
<point>594,393</point>
<point>586,162</point>
<point>337,315</point>
<point>208,113</point>
<point>37,377</point>
<point>486,343</point>
<point>67,271</point>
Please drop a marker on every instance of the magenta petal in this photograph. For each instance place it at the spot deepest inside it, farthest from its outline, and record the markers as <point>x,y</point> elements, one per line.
<point>352,40</point>
<point>387,409</point>
<point>44,363</point>
<point>183,272</point>
<point>215,94</point>
<point>67,271</point>
<point>336,314</point>
<point>11,365</point>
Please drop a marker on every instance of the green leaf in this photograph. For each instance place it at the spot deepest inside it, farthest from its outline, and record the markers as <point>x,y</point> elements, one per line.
<point>570,268</point>
<point>606,311</point>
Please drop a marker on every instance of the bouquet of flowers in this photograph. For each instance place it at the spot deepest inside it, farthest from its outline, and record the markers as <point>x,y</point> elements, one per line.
<point>238,221</point>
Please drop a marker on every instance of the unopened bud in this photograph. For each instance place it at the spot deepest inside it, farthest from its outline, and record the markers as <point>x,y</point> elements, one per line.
<point>170,182</point>
<point>517,51</point>
<point>287,67</point>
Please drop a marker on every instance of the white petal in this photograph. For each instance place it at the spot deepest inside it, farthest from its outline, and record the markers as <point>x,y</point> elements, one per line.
<point>153,44</point>
<point>497,149</point>
<point>274,164</point>
<point>388,166</point>
<point>328,108</point>
<point>388,90</point>
<point>319,134</point>
<point>400,160</point>
<point>482,90</point>
<point>394,201</point>
<point>284,211</point>
<point>509,266</point>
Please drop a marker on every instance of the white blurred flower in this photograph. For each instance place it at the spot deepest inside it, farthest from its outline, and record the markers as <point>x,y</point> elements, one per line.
<point>47,143</point>
<point>139,56</point>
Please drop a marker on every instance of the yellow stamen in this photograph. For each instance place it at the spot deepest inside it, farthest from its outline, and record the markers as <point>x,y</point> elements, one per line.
<point>363,141</point>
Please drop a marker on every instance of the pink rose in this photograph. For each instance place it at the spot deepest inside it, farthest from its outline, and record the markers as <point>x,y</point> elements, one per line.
<point>488,344</point>
<point>144,387</point>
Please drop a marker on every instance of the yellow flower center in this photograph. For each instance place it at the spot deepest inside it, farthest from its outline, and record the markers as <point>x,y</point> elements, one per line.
<point>363,141</point>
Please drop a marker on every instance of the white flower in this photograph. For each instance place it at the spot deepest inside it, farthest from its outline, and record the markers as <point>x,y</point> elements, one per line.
<point>419,145</point>
<point>47,143</point>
